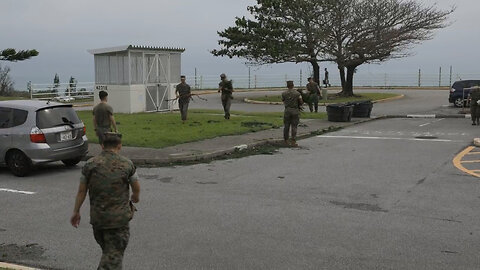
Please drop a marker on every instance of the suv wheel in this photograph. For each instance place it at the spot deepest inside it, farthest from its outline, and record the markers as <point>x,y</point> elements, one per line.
<point>72,162</point>
<point>459,102</point>
<point>18,163</point>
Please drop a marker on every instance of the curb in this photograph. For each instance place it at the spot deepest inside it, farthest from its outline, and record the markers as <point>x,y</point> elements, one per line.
<point>251,101</point>
<point>465,116</point>
<point>10,266</point>
<point>216,154</point>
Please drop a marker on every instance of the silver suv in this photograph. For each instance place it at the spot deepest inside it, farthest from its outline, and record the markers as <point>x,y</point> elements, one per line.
<point>35,132</point>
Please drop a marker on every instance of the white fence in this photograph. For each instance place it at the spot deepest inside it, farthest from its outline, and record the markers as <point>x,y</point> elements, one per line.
<point>62,91</point>
<point>361,79</point>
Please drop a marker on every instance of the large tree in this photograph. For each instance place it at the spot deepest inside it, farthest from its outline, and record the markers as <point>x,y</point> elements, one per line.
<point>347,32</point>
<point>13,56</point>
<point>374,31</point>
<point>280,31</point>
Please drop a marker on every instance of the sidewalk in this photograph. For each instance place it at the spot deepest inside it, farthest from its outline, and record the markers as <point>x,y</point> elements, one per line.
<point>220,146</point>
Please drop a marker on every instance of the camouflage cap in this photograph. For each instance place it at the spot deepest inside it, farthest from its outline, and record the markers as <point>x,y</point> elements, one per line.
<point>290,84</point>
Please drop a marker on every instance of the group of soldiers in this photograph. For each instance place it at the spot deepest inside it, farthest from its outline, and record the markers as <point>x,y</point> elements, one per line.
<point>108,177</point>
<point>291,98</point>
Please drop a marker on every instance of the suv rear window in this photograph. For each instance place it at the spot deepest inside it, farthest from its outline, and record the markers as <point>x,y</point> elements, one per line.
<point>56,116</point>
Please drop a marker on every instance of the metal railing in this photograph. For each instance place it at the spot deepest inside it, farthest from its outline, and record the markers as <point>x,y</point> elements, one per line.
<point>361,79</point>
<point>62,91</point>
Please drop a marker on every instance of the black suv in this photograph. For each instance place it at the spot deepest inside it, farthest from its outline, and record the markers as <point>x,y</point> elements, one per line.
<point>460,90</point>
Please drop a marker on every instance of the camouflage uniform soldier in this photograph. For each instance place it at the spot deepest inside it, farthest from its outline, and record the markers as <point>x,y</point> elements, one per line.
<point>183,93</point>
<point>474,106</point>
<point>313,92</point>
<point>227,90</point>
<point>107,178</point>
<point>291,118</point>
<point>103,118</point>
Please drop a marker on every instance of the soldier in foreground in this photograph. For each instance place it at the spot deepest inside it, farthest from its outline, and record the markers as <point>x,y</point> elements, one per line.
<point>291,118</point>
<point>103,119</point>
<point>474,106</point>
<point>183,93</point>
<point>226,88</point>
<point>107,179</point>
<point>314,92</point>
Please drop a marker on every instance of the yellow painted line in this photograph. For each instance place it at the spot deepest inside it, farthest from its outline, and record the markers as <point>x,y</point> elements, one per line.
<point>473,153</point>
<point>457,162</point>
<point>470,161</point>
<point>10,266</point>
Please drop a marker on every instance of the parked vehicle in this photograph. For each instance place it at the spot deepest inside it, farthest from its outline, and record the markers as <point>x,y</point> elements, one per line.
<point>459,92</point>
<point>64,99</point>
<point>34,132</point>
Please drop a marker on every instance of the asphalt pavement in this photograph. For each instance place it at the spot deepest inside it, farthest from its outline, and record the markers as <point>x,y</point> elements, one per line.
<point>379,195</point>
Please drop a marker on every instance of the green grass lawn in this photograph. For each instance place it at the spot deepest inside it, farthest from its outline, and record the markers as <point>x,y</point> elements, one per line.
<point>334,99</point>
<point>2,98</point>
<point>157,130</point>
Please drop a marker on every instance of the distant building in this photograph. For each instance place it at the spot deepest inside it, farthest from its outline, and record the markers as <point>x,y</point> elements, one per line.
<point>137,78</point>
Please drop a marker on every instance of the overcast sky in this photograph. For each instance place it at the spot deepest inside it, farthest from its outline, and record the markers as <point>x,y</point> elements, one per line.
<point>63,30</point>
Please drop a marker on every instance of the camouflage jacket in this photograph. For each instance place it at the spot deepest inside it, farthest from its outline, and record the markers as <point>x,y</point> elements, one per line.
<point>291,99</point>
<point>108,176</point>
<point>475,94</point>
<point>226,87</point>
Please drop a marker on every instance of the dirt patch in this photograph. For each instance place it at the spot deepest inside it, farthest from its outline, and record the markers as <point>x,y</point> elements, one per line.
<point>14,252</point>
<point>254,124</point>
<point>360,206</point>
<point>166,180</point>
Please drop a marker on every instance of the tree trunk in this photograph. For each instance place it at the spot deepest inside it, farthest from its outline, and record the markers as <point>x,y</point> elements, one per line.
<point>348,88</point>
<point>342,76</point>
<point>316,71</point>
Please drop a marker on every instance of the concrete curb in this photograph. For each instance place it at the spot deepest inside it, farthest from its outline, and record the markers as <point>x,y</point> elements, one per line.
<point>15,266</point>
<point>465,116</point>
<point>203,157</point>
<point>251,101</point>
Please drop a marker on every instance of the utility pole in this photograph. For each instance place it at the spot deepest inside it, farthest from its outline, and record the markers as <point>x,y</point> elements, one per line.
<point>440,77</point>
<point>419,77</point>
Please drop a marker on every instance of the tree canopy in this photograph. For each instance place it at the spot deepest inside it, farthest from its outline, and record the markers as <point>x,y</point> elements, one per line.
<point>13,56</point>
<point>347,32</point>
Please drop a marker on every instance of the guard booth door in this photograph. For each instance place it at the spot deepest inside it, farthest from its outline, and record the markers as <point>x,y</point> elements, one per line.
<point>157,81</point>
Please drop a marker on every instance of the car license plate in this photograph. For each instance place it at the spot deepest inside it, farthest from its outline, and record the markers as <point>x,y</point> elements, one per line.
<point>66,136</point>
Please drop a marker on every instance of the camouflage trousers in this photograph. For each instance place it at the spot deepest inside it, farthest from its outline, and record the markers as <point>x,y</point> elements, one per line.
<point>101,133</point>
<point>113,243</point>
<point>183,106</point>
<point>475,111</point>
<point>226,103</point>
<point>291,119</point>
<point>313,104</point>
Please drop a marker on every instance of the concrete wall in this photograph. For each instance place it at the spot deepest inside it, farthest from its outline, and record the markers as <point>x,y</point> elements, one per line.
<point>123,98</point>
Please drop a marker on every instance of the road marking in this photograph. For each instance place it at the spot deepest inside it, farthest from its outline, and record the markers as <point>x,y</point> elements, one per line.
<point>457,162</point>
<point>384,138</point>
<point>15,266</point>
<point>17,191</point>
<point>429,123</point>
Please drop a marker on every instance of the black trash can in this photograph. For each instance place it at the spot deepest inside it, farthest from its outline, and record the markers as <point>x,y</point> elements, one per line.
<point>339,112</point>
<point>362,109</point>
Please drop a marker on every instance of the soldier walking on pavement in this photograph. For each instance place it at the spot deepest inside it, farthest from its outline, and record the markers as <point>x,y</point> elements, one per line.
<point>314,92</point>
<point>107,178</point>
<point>474,106</point>
<point>226,88</point>
<point>103,119</point>
<point>291,118</point>
<point>184,94</point>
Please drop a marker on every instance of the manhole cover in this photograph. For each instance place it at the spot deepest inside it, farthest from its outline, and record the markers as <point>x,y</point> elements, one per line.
<point>426,137</point>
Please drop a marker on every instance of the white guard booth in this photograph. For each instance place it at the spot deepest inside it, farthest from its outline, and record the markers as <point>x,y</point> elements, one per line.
<point>137,78</point>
